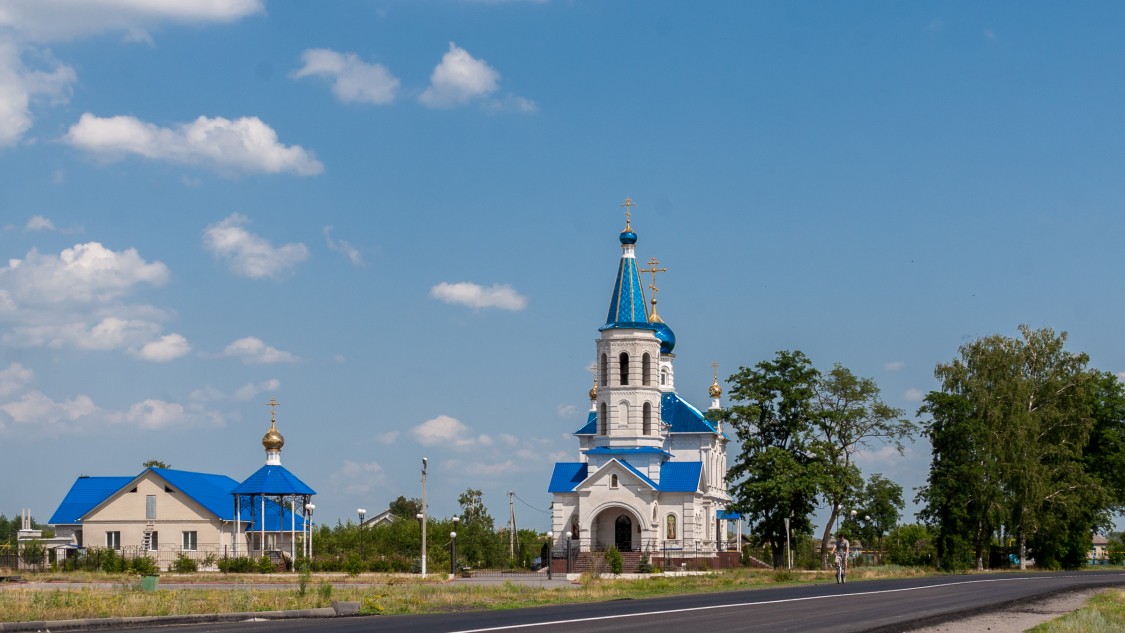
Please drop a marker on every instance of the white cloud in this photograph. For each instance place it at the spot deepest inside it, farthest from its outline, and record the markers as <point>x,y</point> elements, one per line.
<point>473,295</point>
<point>164,349</point>
<point>83,273</point>
<point>67,19</point>
<point>14,378</point>
<point>512,103</point>
<point>353,80</point>
<point>244,145</point>
<point>36,408</point>
<point>458,79</point>
<point>881,455</point>
<point>250,255</point>
<point>356,478</point>
<point>39,223</point>
<point>250,389</point>
<point>390,437</point>
<point>895,365</point>
<point>253,351</point>
<point>340,246</point>
<point>21,85</point>
<point>154,414</point>
<point>568,411</point>
<point>913,395</point>
<point>446,431</point>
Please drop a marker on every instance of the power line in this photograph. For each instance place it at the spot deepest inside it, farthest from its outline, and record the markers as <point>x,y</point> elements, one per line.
<point>529,505</point>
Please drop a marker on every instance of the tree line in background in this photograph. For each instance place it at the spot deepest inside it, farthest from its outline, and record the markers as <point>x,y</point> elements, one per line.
<point>1028,452</point>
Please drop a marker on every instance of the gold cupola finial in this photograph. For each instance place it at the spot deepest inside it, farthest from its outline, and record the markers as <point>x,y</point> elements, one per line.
<point>715,389</point>
<point>272,440</point>
<point>628,216</point>
<point>653,317</point>
<point>594,388</point>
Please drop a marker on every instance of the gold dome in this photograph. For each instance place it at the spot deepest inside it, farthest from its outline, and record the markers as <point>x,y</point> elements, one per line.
<point>272,440</point>
<point>715,389</point>
<point>594,392</point>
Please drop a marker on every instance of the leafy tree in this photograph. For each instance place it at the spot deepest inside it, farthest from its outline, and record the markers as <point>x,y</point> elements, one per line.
<point>476,538</point>
<point>910,545</point>
<point>848,416</point>
<point>1009,429</point>
<point>404,508</point>
<point>776,475</point>
<point>878,507</point>
<point>155,463</point>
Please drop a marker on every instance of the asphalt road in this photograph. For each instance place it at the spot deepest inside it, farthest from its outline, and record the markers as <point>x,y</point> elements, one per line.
<point>880,605</point>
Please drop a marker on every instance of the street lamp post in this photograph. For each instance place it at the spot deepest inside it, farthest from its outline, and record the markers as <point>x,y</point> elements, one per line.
<point>568,535</point>
<point>453,549</point>
<point>550,552</point>
<point>308,519</point>
<point>362,513</point>
<point>422,515</point>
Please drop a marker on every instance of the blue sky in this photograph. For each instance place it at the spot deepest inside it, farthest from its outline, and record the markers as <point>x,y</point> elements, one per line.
<point>401,218</point>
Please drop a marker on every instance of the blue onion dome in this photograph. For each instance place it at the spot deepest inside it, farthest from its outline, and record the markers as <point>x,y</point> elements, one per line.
<point>628,237</point>
<point>666,336</point>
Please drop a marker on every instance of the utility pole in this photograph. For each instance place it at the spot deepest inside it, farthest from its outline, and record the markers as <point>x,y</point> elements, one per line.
<point>424,462</point>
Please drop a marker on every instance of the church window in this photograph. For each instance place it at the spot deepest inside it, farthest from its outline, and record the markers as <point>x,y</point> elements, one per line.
<point>670,527</point>
<point>647,426</point>
<point>603,371</point>
<point>613,481</point>
<point>623,411</point>
<point>646,367</point>
<point>624,366</point>
<point>601,420</point>
<point>663,377</point>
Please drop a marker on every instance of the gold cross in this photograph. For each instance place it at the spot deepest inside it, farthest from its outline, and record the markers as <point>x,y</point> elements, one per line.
<point>273,404</point>
<point>652,262</point>
<point>627,204</point>
<point>715,366</point>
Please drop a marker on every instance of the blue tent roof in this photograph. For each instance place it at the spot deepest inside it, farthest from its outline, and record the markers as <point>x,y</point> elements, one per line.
<point>682,416</point>
<point>591,427</point>
<point>627,304</point>
<point>680,476</point>
<point>567,475</point>
<point>273,480</point>
<point>86,493</point>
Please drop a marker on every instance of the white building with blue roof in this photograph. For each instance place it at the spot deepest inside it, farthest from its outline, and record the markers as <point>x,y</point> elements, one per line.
<point>163,513</point>
<point>652,469</point>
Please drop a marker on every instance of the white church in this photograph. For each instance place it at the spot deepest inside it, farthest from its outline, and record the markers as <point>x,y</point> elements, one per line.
<point>651,474</point>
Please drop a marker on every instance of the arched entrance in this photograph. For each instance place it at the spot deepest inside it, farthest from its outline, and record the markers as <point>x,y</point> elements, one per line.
<point>623,533</point>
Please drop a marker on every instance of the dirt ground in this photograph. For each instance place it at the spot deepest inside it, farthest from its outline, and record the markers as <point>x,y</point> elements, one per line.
<point>1018,618</point>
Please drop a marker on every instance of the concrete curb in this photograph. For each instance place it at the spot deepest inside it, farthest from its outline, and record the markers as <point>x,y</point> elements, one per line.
<point>111,623</point>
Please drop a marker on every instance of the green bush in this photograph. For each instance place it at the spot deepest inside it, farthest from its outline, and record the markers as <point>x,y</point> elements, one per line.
<point>265,565</point>
<point>613,557</point>
<point>144,566</point>
<point>237,565</point>
<point>354,564</point>
<point>910,546</point>
<point>645,565</point>
<point>185,565</point>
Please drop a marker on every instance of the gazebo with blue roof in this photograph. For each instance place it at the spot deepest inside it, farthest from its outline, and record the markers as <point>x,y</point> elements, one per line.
<point>651,473</point>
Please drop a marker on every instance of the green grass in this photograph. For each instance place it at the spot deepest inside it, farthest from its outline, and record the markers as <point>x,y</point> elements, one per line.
<point>1104,613</point>
<point>120,595</point>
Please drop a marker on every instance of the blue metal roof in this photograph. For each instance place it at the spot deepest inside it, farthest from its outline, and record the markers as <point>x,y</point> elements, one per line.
<point>682,417</point>
<point>680,476</point>
<point>567,476</point>
<point>213,492</point>
<point>273,480</point>
<point>86,493</point>
<point>278,517</point>
<point>728,515</point>
<point>632,450</point>
<point>627,304</point>
<point>591,427</point>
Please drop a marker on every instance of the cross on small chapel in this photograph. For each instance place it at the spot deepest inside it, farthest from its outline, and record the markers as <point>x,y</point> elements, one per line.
<point>628,204</point>
<point>715,367</point>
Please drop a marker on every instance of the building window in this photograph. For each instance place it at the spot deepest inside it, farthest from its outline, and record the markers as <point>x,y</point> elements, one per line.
<point>603,371</point>
<point>663,377</point>
<point>601,420</point>
<point>623,412</point>
<point>191,541</point>
<point>624,367</point>
<point>613,481</point>
<point>113,540</point>
<point>646,367</point>
<point>150,507</point>
<point>670,527</point>
<point>647,425</point>
<point>154,541</point>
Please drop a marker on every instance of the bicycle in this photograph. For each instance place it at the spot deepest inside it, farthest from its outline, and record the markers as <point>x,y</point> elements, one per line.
<point>841,570</point>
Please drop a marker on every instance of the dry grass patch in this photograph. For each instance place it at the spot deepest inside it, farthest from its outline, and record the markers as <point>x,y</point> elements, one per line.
<point>1104,613</point>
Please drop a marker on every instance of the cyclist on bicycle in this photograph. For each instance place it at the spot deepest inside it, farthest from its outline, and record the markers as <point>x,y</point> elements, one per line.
<point>841,547</point>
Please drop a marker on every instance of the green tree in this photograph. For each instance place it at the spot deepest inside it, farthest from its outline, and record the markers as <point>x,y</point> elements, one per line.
<point>1009,429</point>
<point>404,508</point>
<point>776,475</point>
<point>155,463</point>
<point>910,545</point>
<point>849,415</point>
<point>477,542</point>
<point>878,508</point>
